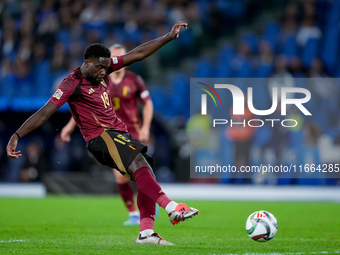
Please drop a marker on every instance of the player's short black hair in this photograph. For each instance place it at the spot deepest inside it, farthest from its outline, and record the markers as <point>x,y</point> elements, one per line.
<point>97,50</point>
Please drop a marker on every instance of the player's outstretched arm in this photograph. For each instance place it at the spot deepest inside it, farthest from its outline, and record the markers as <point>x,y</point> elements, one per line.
<point>144,132</point>
<point>33,122</point>
<point>146,49</point>
<point>66,132</point>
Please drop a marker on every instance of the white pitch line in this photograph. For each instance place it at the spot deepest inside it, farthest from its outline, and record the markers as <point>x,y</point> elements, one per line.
<point>12,241</point>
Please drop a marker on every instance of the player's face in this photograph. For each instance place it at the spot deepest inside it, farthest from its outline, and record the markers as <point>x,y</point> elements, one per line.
<point>97,68</point>
<point>117,52</point>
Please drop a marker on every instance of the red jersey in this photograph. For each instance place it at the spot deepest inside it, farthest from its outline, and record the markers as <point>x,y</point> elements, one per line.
<point>90,105</point>
<point>125,96</point>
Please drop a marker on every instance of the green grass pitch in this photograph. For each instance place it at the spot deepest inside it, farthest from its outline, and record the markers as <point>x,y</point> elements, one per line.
<point>93,225</point>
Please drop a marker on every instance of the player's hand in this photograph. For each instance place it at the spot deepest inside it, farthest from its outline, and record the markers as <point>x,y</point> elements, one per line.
<point>174,33</point>
<point>11,146</point>
<point>144,135</point>
<point>65,134</point>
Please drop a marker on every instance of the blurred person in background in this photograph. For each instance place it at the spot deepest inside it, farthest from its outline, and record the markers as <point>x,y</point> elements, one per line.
<point>322,86</point>
<point>23,79</point>
<point>325,94</point>
<point>266,53</point>
<point>308,30</point>
<point>242,137</point>
<point>296,67</point>
<point>281,77</point>
<point>6,78</point>
<point>34,163</point>
<point>61,150</point>
<point>86,92</point>
<point>317,69</point>
<point>242,58</point>
<point>126,89</point>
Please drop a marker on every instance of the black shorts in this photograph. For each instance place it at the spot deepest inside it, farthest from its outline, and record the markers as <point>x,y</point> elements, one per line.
<point>117,150</point>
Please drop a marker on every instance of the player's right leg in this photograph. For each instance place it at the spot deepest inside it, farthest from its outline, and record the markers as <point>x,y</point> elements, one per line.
<point>146,182</point>
<point>126,192</point>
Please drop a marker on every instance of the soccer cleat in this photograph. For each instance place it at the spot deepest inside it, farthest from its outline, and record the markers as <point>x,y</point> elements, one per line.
<point>154,238</point>
<point>132,221</point>
<point>182,212</point>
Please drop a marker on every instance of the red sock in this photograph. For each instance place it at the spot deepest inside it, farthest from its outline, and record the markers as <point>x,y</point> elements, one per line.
<point>126,192</point>
<point>147,209</point>
<point>163,200</point>
<point>148,185</point>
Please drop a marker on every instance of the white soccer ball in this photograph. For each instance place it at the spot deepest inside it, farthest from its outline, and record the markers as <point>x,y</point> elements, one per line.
<point>261,226</point>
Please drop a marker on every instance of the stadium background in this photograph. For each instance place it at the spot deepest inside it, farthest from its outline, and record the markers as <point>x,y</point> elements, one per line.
<point>42,41</point>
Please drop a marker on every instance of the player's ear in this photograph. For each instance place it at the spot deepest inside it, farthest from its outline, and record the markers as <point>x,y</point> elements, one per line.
<point>87,63</point>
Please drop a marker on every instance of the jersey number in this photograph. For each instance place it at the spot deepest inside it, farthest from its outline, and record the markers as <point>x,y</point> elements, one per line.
<point>106,100</point>
<point>116,101</point>
<point>123,138</point>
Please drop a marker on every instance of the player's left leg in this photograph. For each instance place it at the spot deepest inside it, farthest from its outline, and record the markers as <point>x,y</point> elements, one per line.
<point>126,192</point>
<point>149,193</point>
<point>147,209</point>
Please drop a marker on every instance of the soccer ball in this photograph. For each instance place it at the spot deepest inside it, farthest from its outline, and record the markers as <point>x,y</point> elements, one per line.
<point>261,226</point>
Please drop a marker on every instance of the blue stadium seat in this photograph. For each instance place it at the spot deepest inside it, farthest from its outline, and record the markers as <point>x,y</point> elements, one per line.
<point>330,48</point>
<point>204,69</point>
<point>284,181</point>
<point>25,87</point>
<point>334,12</point>
<point>203,6</point>
<point>331,182</point>
<point>187,39</point>
<point>223,71</point>
<point>135,36</point>
<point>310,181</point>
<point>261,98</point>
<point>180,95</point>
<point>252,41</point>
<point>271,32</point>
<point>310,51</point>
<point>231,9</point>
<point>42,78</point>
<point>64,37</point>
<point>295,139</point>
<point>225,56</point>
<point>119,34</point>
<point>227,152</point>
<point>290,48</point>
<point>98,26</point>
<point>158,98</point>
<point>264,71</point>
<point>7,86</point>
<point>262,136</point>
<point>245,71</point>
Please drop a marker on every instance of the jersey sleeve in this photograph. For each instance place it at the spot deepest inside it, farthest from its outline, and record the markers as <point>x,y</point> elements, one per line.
<point>64,91</point>
<point>144,94</point>
<point>115,64</point>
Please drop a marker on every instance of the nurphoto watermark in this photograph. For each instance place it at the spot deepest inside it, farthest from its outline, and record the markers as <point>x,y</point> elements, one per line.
<point>264,128</point>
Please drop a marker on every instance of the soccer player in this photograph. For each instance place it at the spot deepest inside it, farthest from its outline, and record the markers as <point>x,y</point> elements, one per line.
<point>86,92</point>
<point>126,89</point>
